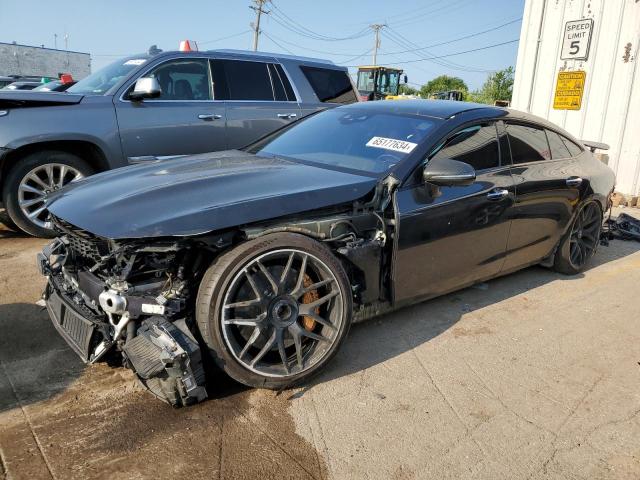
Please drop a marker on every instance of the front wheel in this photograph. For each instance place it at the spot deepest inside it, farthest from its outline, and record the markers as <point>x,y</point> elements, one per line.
<point>273,311</point>
<point>30,182</point>
<point>581,241</point>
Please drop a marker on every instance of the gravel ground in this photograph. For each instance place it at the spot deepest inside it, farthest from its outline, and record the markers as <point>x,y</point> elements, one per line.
<point>534,375</point>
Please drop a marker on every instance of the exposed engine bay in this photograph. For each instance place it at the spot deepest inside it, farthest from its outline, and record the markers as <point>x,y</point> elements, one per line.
<point>132,302</point>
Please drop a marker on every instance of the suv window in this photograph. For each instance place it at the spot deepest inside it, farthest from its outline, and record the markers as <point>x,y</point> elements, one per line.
<point>331,86</point>
<point>528,144</point>
<point>186,79</point>
<point>247,80</point>
<point>476,145</point>
<point>557,146</point>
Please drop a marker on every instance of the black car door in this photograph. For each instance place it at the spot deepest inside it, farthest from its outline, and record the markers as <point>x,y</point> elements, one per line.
<point>548,189</point>
<point>449,237</point>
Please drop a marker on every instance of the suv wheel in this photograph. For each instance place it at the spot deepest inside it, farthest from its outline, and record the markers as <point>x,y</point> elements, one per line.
<point>29,183</point>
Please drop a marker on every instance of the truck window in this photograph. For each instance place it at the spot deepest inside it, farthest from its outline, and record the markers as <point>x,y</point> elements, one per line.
<point>247,80</point>
<point>331,86</point>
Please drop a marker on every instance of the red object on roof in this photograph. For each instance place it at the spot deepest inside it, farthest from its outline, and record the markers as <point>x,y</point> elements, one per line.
<point>188,46</point>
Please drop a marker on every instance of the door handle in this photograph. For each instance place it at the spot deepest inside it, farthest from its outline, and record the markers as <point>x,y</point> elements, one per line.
<point>209,116</point>
<point>287,115</point>
<point>574,181</point>
<point>497,194</point>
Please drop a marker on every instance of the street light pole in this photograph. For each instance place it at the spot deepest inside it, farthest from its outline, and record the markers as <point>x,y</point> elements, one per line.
<point>256,27</point>
<point>376,29</point>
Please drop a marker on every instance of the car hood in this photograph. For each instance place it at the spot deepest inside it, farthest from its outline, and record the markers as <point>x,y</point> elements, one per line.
<point>24,99</point>
<point>201,193</point>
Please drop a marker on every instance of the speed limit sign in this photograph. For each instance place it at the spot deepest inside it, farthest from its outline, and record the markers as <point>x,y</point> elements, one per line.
<point>577,37</point>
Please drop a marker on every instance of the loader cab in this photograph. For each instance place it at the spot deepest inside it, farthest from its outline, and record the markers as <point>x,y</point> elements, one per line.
<point>376,83</point>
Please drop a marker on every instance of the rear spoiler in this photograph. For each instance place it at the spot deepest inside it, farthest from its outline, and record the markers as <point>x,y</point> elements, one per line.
<point>593,146</point>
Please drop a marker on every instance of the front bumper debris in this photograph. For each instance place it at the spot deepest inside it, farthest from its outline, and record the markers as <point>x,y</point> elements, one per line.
<point>93,320</point>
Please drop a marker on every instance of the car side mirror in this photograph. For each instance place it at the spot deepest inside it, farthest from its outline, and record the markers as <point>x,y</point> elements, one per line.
<point>447,172</point>
<point>147,87</point>
<point>406,80</point>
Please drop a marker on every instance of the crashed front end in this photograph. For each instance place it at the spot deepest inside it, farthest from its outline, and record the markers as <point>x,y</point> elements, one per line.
<point>129,301</point>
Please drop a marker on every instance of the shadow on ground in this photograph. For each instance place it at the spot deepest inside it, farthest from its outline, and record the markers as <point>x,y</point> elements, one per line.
<point>385,337</point>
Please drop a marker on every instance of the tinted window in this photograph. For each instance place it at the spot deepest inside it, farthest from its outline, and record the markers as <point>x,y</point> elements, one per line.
<point>574,149</point>
<point>359,140</point>
<point>528,144</point>
<point>248,80</point>
<point>477,146</point>
<point>331,86</point>
<point>557,146</point>
<point>278,87</point>
<point>183,80</point>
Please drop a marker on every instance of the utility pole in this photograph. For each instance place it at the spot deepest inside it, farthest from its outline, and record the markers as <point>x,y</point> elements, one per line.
<point>256,26</point>
<point>376,27</point>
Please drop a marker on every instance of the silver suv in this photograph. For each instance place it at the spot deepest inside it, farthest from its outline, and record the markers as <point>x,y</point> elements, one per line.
<point>149,107</point>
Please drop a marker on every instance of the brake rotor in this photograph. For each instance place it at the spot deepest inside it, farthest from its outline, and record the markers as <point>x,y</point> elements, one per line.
<point>307,322</point>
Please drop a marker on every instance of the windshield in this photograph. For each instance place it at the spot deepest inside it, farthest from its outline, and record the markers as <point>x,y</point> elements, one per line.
<point>360,140</point>
<point>99,82</point>
<point>387,81</point>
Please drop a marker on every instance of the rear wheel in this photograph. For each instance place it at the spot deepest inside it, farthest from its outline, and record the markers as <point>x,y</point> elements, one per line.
<point>581,242</point>
<point>274,310</point>
<point>30,182</point>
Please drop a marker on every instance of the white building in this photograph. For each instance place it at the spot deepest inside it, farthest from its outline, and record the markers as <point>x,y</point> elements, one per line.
<point>601,39</point>
<point>26,60</point>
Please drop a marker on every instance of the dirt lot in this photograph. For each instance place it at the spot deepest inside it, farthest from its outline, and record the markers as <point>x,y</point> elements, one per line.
<point>534,375</point>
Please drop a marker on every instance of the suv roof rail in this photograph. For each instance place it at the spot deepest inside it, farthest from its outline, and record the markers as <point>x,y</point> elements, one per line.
<point>273,55</point>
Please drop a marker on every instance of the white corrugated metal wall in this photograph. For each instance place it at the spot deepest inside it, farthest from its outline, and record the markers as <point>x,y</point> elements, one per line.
<point>610,111</point>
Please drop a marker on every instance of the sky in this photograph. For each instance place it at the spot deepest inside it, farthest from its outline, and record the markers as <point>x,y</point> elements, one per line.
<point>333,29</point>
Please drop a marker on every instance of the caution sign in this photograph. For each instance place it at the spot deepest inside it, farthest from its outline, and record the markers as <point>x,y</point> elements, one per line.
<point>569,88</point>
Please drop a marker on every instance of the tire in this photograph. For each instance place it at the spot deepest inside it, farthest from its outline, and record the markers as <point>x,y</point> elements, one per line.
<point>58,163</point>
<point>583,234</point>
<point>311,344</point>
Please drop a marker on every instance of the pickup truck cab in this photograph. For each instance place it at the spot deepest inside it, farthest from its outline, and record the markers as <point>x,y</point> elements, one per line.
<point>149,107</point>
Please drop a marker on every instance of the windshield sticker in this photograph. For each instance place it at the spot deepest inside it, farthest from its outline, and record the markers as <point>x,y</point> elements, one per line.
<point>392,144</point>
<point>136,61</point>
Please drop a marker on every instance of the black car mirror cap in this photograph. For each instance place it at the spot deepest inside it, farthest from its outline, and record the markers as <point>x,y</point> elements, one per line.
<point>147,87</point>
<point>447,172</point>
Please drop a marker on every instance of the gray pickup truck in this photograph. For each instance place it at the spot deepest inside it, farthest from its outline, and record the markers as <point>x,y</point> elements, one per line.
<point>149,107</point>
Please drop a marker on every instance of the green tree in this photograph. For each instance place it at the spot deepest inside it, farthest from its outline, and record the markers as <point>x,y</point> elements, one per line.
<point>407,90</point>
<point>441,84</point>
<point>498,86</point>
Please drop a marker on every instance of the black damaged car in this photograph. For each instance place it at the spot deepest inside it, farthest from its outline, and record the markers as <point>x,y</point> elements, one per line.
<point>261,258</point>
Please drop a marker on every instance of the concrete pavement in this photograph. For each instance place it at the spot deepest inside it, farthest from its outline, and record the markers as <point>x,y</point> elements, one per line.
<point>531,376</point>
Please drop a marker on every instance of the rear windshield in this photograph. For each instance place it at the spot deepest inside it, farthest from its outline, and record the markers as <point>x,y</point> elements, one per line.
<point>100,82</point>
<point>352,139</point>
<point>331,86</point>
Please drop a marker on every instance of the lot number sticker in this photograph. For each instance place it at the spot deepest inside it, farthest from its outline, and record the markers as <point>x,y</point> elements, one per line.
<point>569,89</point>
<point>392,144</point>
<point>577,38</point>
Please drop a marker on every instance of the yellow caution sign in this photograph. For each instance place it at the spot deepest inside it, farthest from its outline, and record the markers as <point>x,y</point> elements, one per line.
<point>569,89</point>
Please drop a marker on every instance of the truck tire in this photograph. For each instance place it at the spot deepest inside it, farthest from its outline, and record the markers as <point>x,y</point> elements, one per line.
<point>274,310</point>
<point>28,183</point>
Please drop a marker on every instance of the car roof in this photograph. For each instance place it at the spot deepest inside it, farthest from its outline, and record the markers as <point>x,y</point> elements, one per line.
<point>429,108</point>
<point>273,55</point>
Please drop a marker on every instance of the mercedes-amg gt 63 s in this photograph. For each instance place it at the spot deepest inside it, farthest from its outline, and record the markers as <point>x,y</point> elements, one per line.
<point>261,258</point>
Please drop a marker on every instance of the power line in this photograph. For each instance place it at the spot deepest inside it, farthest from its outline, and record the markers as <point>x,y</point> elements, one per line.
<point>450,54</point>
<point>471,35</point>
<point>277,44</point>
<point>224,38</point>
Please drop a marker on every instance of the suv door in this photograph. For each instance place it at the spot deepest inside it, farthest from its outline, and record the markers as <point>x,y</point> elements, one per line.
<point>259,99</point>
<point>547,192</point>
<point>185,118</point>
<point>449,237</point>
